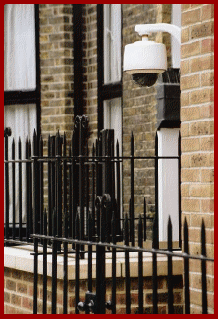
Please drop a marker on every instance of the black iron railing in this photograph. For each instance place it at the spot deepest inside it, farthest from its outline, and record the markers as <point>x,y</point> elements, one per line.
<point>95,301</point>
<point>70,201</point>
<point>68,179</point>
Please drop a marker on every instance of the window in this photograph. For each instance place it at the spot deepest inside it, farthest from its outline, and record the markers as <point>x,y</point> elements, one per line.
<point>21,66</point>
<point>21,78</point>
<point>112,68</point>
<point>112,43</point>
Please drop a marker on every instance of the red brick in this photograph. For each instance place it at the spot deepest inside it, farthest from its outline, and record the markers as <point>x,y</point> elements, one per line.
<point>27,303</point>
<point>207,12</point>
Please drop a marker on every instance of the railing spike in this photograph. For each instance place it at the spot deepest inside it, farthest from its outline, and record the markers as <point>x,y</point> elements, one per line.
<point>203,269</point>
<point>145,222</point>
<point>186,268</point>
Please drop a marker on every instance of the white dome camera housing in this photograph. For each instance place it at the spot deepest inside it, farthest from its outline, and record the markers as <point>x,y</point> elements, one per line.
<point>145,59</point>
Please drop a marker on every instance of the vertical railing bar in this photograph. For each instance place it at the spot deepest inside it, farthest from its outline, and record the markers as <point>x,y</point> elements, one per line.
<point>132,218</point>
<point>203,269</point>
<point>100,259</point>
<point>35,184</point>
<point>130,223</point>
<point>30,193</point>
<point>90,233</point>
<point>65,265</point>
<point>93,189</point>
<point>70,234</point>
<point>156,187</point>
<point>20,189</point>
<point>35,281</point>
<point>59,186</point>
<point>74,185</point>
<point>54,264</point>
<point>35,222</point>
<point>89,272</point>
<point>113,201</point>
<point>154,265</point>
<point>77,263</point>
<point>104,208</point>
<point>49,189</point>
<point>44,307</point>
<point>107,224</point>
<point>97,168</point>
<point>180,207</point>
<point>114,265</point>
<point>87,190</point>
<point>98,275</point>
<point>6,190</point>
<point>53,178</point>
<point>65,190</point>
<point>27,191</point>
<point>145,221</point>
<point>186,269</point>
<point>100,152</point>
<point>170,270</point>
<point>41,185</point>
<point>140,268</point>
<point>13,188</point>
<point>127,270</point>
<point>98,220</point>
<point>118,189</point>
<point>81,172</point>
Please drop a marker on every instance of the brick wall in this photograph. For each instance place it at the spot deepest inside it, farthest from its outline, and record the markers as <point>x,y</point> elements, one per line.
<point>197,133</point>
<point>18,294</point>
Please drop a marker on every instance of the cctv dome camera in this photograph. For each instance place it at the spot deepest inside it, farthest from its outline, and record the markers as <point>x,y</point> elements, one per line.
<point>144,60</point>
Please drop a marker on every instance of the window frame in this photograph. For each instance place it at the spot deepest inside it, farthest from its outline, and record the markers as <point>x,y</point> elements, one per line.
<point>111,90</point>
<point>29,97</point>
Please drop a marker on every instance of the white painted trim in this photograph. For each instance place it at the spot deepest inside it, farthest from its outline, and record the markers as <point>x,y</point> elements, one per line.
<point>175,48</point>
<point>168,182</point>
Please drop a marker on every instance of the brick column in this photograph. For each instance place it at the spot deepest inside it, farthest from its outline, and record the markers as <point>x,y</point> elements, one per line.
<point>56,60</point>
<point>197,138</point>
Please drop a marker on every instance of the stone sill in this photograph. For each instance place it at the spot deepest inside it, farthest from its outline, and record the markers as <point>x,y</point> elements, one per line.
<point>21,259</point>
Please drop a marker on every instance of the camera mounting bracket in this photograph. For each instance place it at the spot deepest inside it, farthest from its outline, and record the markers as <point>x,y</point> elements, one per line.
<point>147,29</point>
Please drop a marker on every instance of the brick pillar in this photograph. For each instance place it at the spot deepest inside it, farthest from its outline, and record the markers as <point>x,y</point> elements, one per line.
<point>197,138</point>
<point>90,69</point>
<point>56,61</point>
